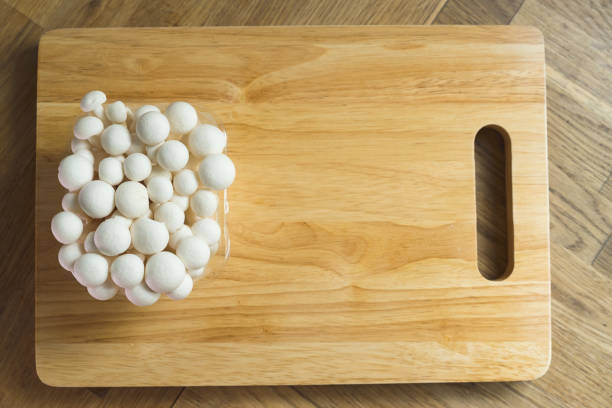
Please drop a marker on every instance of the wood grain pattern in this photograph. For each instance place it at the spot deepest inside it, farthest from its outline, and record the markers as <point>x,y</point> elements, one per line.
<point>352,221</point>
<point>577,119</point>
<point>478,12</point>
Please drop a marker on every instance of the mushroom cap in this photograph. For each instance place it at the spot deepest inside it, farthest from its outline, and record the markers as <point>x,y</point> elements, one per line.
<point>66,227</point>
<point>207,139</point>
<point>112,237</point>
<point>91,269</point>
<point>97,199</point>
<point>152,128</point>
<point>92,100</point>
<point>132,199</point>
<point>182,117</point>
<point>141,295</point>
<point>217,171</point>
<point>149,236</point>
<point>137,167</point>
<point>204,203</point>
<point>208,230</point>
<point>87,126</point>
<point>116,139</point>
<point>173,155</point>
<point>74,172</point>
<point>127,271</point>
<point>164,272</point>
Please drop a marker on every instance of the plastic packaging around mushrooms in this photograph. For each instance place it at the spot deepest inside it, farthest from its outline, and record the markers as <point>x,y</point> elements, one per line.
<point>119,264</point>
<point>220,252</point>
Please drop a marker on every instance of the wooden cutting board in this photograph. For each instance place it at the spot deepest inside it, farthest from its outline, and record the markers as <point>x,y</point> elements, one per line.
<point>352,218</point>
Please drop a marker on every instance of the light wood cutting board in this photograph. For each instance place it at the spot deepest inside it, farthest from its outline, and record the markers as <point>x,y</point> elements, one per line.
<point>352,218</point>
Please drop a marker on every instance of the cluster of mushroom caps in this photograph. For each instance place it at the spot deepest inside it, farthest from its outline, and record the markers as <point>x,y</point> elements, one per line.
<point>143,196</point>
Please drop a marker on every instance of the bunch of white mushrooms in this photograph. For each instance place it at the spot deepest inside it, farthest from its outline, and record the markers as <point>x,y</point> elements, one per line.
<point>141,209</point>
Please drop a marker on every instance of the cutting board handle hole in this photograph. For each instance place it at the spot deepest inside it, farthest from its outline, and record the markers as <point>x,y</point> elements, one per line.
<point>494,225</point>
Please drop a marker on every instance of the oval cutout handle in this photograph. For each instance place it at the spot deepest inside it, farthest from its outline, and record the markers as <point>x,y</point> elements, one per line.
<point>494,224</point>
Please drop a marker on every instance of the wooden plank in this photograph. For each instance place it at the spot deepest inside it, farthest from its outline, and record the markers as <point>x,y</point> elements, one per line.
<point>580,146</point>
<point>161,397</point>
<point>112,13</point>
<point>20,385</point>
<point>243,397</point>
<point>603,259</point>
<point>606,188</point>
<point>578,53</point>
<point>319,267</point>
<point>478,12</point>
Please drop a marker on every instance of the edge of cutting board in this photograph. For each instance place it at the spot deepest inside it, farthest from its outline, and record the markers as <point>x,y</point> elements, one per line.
<point>55,360</point>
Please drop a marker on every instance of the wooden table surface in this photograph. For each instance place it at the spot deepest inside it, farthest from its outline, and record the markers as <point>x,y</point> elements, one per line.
<point>579,51</point>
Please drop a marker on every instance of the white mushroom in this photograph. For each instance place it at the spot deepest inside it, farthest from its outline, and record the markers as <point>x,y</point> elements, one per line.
<point>78,278</point>
<point>97,199</point>
<point>173,155</point>
<point>208,230</point>
<point>144,109</point>
<point>181,201</point>
<point>116,112</point>
<point>68,254</point>
<point>91,269</point>
<point>105,291</point>
<point>148,214</point>
<point>142,257</point>
<point>112,237</point>
<point>207,139</point>
<point>136,147</point>
<point>182,232</point>
<point>204,203</point>
<point>171,215</point>
<point>151,152</point>
<point>118,216</point>
<point>127,271</point>
<point>183,290</point>
<point>87,126</point>
<point>116,139</point>
<point>141,295</point>
<point>137,167</point>
<point>173,193</point>
<point>92,100</point>
<point>185,182</point>
<point>86,154</point>
<point>66,227</point>
<point>217,171</point>
<point>132,199</point>
<point>70,202</point>
<point>196,273</point>
<point>99,112</point>
<point>78,144</point>
<point>89,244</point>
<point>182,117</point>
<point>152,128</point>
<point>110,169</point>
<point>149,236</point>
<point>74,172</point>
<point>194,252</point>
<point>160,189</point>
<point>157,171</point>
<point>164,272</point>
